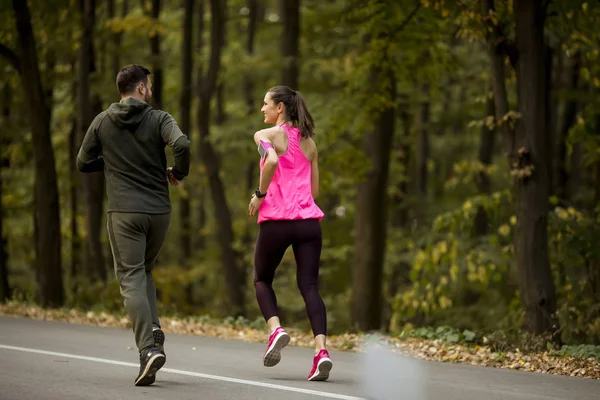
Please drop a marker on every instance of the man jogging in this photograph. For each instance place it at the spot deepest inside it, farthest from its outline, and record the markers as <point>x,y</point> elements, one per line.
<point>127,142</point>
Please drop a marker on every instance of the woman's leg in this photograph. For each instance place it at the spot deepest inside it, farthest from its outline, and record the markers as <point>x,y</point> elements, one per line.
<point>271,244</point>
<point>307,250</point>
<point>273,240</point>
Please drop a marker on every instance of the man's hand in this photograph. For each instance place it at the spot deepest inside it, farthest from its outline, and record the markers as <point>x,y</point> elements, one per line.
<point>254,205</point>
<point>171,177</point>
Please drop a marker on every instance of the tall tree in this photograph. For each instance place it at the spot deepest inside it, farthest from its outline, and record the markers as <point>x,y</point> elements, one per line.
<point>423,141</point>
<point>5,292</point>
<point>115,38</point>
<point>93,184</point>
<point>46,206</point>
<point>253,19</point>
<point>290,42</point>
<point>371,216</point>
<point>157,72</point>
<point>486,151</point>
<point>370,224</point>
<point>499,48</point>
<point>400,274</point>
<point>531,173</point>
<point>185,102</point>
<point>234,276</point>
<point>568,120</point>
<point>200,239</point>
<point>74,179</point>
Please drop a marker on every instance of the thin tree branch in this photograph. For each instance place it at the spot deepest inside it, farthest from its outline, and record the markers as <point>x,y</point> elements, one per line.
<point>407,20</point>
<point>10,56</point>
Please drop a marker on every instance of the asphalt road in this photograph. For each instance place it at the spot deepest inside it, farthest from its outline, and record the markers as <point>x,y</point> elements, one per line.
<point>53,360</point>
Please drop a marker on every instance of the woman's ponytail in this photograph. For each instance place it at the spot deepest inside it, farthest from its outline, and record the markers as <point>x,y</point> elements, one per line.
<point>305,120</point>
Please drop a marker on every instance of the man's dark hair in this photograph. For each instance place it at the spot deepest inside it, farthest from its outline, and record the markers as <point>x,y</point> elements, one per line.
<point>130,76</point>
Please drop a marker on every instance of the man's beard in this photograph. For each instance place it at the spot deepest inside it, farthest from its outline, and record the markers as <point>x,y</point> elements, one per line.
<point>147,98</point>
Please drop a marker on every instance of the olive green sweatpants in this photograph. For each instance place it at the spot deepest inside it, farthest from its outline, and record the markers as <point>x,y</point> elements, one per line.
<point>136,240</point>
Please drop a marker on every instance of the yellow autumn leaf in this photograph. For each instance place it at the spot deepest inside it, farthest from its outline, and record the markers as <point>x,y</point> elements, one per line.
<point>454,272</point>
<point>504,230</point>
<point>562,213</point>
<point>443,246</point>
<point>467,206</point>
<point>445,302</point>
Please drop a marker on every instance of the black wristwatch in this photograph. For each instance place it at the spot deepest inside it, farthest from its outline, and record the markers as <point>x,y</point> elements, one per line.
<point>259,194</point>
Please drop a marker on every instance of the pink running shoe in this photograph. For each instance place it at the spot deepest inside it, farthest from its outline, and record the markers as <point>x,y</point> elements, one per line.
<point>321,366</point>
<point>277,341</point>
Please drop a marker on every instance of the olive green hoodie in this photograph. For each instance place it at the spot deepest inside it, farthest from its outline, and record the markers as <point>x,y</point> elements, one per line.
<point>127,142</point>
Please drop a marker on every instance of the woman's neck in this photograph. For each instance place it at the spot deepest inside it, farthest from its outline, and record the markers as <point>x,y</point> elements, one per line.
<point>280,120</point>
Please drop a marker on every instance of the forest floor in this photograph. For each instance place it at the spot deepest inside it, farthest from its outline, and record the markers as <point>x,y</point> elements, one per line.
<point>582,361</point>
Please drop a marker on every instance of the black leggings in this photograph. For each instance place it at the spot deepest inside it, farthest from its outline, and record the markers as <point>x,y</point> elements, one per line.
<point>274,237</point>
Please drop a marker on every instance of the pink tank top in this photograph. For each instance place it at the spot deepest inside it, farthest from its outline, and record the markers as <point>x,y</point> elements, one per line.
<point>289,196</point>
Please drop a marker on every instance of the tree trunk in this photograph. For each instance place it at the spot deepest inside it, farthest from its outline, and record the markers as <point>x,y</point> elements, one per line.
<point>486,151</point>
<point>576,177</point>
<point>461,102</point>
<point>400,274</point>
<point>251,170</point>
<point>74,180</point>
<point>74,196</point>
<point>250,36</point>
<point>446,107</point>
<point>220,113</point>
<point>597,185</point>
<point>371,217</point>
<point>199,238</point>
<point>185,104</point>
<point>497,43</point>
<point>46,205</point>
<point>532,186</point>
<point>570,116</point>
<point>234,275</point>
<point>400,218</point>
<point>157,73</point>
<point>423,142</point>
<point>93,184</point>
<point>290,42</point>
<point>5,292</point>
<point>549,96</point>
<point>116,39</point>
<point>594,267</point>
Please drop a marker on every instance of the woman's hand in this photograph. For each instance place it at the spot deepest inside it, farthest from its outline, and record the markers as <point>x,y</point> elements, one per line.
<point>254,205</point>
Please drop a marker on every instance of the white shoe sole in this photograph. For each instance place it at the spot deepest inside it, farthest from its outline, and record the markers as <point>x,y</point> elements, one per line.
<point>273,354</point>
<point>322,372</point>
<point>154,364</point>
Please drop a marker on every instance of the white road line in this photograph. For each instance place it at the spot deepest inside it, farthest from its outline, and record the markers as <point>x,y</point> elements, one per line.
<point>188,373</point>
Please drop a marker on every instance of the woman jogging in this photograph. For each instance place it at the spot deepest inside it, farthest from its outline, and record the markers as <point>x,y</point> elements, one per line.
<point>288,215</point>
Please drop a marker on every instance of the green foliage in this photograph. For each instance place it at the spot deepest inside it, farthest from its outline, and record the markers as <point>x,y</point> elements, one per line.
<point>451,269</point>
<point>575,260</point>
<point>442,333</point>
<point>580,351</point>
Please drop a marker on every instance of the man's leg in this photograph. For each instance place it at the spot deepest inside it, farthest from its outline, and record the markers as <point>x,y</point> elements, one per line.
<point>159,226</point>
<point>127,234</point>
